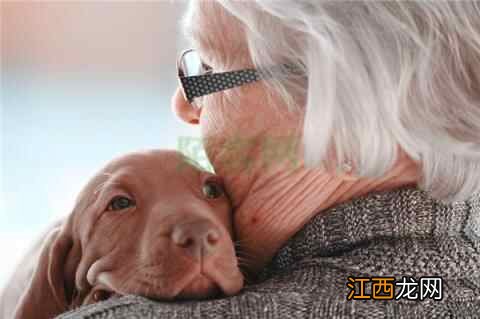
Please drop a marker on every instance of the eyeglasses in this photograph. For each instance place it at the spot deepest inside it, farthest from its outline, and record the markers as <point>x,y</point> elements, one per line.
<point>197,79</point>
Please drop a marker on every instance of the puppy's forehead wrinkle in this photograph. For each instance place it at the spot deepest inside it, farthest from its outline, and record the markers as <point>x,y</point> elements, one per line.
<point>102,186</point>
<point>138,177</point>
<point>156,168</point>
<point>109,233</point>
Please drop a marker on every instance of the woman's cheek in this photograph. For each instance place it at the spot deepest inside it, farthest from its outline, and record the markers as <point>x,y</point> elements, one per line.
<point>212,127</point>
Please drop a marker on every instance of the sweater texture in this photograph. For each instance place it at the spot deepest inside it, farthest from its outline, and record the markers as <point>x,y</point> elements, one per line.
<point>401,233</point>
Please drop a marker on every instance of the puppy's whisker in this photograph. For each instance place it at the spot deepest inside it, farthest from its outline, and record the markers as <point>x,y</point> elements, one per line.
<point>243,267</point>
<point>243,254</point>
<point>242,251</point>
<point>244,241</point>
<point>244,257</point>
<point>245,262</point>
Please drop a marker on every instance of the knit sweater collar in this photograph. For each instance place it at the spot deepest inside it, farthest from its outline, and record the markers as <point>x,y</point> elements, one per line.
<point>392,215</point>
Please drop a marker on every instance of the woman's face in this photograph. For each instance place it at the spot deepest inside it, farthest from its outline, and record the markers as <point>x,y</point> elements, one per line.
<point>239,126</point>
<point>244,140</point>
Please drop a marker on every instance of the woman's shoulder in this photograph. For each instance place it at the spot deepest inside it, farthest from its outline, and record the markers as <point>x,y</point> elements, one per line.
<point>301,294</point>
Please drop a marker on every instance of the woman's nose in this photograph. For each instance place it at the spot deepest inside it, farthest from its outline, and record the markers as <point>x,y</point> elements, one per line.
<point>185,110</point>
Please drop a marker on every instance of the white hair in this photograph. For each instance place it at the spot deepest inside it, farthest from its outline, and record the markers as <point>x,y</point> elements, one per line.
<point>379,75</point>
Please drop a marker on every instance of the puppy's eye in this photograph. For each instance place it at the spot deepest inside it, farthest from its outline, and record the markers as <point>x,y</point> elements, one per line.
<point>212,189</point>
<point>119,203</point>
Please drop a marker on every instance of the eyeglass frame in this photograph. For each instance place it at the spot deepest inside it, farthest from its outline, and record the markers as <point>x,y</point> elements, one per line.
<point>195,86</point>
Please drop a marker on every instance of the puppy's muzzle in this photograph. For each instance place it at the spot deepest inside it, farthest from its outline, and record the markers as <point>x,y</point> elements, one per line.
<point>197,239</point>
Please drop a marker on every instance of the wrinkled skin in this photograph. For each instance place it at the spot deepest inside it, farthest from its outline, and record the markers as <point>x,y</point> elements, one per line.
<point>174,242</point>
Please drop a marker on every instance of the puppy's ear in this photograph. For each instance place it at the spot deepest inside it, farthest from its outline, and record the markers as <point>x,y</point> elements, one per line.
<point>50,290</point>
<point>24,270</point>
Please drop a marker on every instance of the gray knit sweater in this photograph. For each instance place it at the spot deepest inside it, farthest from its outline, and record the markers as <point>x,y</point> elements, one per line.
<point>398,233</point>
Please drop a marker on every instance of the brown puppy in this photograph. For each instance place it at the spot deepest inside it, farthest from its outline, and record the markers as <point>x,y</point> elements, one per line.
<point>150,224</point>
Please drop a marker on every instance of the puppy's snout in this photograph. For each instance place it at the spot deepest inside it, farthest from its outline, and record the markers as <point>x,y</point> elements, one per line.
<point>197,238</point>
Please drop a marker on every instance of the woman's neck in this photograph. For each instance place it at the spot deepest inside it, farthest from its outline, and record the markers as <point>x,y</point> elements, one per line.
<point>270,206</point>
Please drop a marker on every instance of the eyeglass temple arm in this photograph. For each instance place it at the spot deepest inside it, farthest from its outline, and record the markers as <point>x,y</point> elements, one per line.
<point>200,85</point>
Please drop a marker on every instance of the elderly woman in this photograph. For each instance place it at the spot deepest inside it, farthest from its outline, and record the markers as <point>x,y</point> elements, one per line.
<point>348,137</point>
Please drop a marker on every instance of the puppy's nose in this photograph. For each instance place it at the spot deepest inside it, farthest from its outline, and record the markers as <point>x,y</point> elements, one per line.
<point>196,238</point>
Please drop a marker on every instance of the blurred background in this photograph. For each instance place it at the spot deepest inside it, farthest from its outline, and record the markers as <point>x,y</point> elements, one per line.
<point>81,83</point>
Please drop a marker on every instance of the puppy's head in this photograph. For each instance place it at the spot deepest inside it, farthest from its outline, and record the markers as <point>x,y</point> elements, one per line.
<point>153,224</point>
<point>150,224</point>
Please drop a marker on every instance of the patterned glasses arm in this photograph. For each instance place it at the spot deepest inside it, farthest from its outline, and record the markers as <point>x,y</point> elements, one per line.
<point>200,85</point>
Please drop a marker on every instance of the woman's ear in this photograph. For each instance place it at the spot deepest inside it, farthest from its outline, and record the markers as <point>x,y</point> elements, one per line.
<point>51,288</point>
